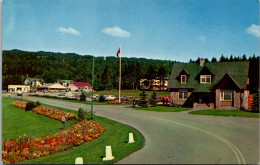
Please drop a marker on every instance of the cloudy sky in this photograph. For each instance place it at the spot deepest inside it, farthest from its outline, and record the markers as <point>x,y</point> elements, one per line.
<point>159,29</point>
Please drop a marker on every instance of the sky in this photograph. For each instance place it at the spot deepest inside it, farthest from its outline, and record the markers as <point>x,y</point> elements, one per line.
<point>156,29</point>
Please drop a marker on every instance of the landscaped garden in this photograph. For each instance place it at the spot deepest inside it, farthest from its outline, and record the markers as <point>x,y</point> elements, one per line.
<point>225,113</point>
<point>31,138</point>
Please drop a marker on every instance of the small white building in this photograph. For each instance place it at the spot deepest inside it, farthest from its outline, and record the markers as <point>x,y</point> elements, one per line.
<point>52,87</point>
<point>18,88</point>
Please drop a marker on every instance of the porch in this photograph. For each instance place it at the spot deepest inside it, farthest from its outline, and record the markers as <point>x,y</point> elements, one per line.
<point>203,100</point>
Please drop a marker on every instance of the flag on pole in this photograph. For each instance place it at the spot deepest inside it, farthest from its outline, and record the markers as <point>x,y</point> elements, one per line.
<point>118,52</point>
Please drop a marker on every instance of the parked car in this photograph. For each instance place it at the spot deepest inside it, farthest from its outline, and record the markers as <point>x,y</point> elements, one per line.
<point>160,99</point>
<point>110,98</point>
<point>19,93</point>
<point>123,98</point>
<point>61,94</point>
<point>32,91</point>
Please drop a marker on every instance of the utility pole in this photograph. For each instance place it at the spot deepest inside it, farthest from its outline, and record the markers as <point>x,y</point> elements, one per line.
<point>92,88</point>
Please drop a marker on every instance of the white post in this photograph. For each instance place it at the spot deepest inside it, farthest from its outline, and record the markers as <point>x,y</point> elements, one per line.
<point>131,138</point>
<point>120,74</point>
<point>79,160</point>
<point>108,154</point>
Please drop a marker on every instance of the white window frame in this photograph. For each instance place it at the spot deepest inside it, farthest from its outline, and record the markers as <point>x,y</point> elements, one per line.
<point>222,95</point>
<point>181,94</point>
<point>184,82</point>
<point>205,77</point>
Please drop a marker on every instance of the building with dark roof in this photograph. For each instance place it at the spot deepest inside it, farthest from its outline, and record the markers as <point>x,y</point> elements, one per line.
<point>208,85</point>
<point>78,86</point>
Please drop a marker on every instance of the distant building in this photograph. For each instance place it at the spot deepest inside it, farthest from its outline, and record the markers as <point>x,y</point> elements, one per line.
<point>209,85</point>
<point>34,82</point>
<point>155,83</point>
<point>78,86</point>
<point>52,87</point>
<point>65,83</point>
<point>18,88</point>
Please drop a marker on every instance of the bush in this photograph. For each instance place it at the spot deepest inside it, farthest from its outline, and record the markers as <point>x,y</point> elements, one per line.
<point>82,97</point>
<point>29,106</point>
<point>37,103</point>
<point>101,98</point>
<point>143,101</point>
<point>255,106</point>
<point>153,99</point>
<point>81,114</point>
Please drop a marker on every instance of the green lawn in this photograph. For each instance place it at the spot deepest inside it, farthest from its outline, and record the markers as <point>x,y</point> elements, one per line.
<point>225,113</point>
<point>130,93</point>
<point>17,122</point>
<point>163,109</point>
<point>116,135</point>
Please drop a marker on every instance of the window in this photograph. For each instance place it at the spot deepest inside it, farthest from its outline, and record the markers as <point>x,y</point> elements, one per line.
<point>183,94</point>
<point>205,79</point>
<point>226,95</point>
<point>183,79</point>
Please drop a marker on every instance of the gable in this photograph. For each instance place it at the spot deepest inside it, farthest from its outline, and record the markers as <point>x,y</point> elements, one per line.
<point>237,70</point>
<point>227,82</point>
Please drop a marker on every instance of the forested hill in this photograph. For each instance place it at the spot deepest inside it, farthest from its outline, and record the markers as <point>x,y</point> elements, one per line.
<point>18,65</point>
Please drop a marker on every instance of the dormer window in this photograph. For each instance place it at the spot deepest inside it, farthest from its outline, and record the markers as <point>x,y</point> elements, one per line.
<point>205,79</point>
<point>183,79</point>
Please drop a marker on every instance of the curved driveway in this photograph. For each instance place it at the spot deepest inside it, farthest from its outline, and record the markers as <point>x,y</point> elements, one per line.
<point>182,138</point>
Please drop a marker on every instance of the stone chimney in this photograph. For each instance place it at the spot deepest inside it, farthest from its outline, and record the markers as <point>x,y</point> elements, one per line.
<point>202,61</point>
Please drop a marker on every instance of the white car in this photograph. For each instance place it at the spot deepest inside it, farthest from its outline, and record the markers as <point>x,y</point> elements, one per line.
<point>110,98</point>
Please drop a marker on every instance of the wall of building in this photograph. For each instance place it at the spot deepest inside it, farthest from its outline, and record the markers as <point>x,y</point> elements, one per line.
<point>244,99</point>
<point>175,98</point>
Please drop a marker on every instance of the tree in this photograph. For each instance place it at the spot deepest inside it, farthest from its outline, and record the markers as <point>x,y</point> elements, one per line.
<point>150,74</point>
<point>244,58</point>
<point>231,58</point>
<point>153,99</point>
<point>143,101</point>
<point>162,73</point>
<point>255,106</point>
<point>222,58</point>
<point>213,59</point>
<point>106,77</point>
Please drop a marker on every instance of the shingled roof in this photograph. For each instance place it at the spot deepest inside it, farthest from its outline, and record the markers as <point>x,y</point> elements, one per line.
<point>238,71</point>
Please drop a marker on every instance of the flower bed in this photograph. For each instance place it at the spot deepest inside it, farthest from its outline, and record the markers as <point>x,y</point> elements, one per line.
<point>25,148</point>
<point>52,113</point>
<point>117,102</point>
<point>20,104</point>
<point>46,111</point>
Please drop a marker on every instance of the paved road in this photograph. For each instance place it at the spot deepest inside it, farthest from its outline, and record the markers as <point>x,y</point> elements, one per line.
<point>182,138</point>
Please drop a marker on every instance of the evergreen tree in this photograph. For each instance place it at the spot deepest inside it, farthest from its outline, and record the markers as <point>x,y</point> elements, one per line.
<point>162,74</point>
<point>244,58</point>
<point>153,99</point>
<point>213,59</point>
<point>143,101</point>
<point>231,58</point>
<point>255,106</point>
<point>222,58</point>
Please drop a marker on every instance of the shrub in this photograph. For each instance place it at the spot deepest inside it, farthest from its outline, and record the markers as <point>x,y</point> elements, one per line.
<point>81,114</point>
<point>143,101</point>
<point>82,97</point>
<point>255,106</point>
<point>37,103</point>
<point>153,99</point>
<point>29,106</point>
<point>101,98</point>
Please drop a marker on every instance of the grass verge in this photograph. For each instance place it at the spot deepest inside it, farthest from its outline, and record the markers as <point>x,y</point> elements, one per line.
<point>17,122</point>
<point>225,113</point>
<point>163,109</point>
<point>115,135</point>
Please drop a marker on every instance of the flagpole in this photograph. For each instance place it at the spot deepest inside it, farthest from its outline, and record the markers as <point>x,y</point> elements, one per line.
<point>120,74</point>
